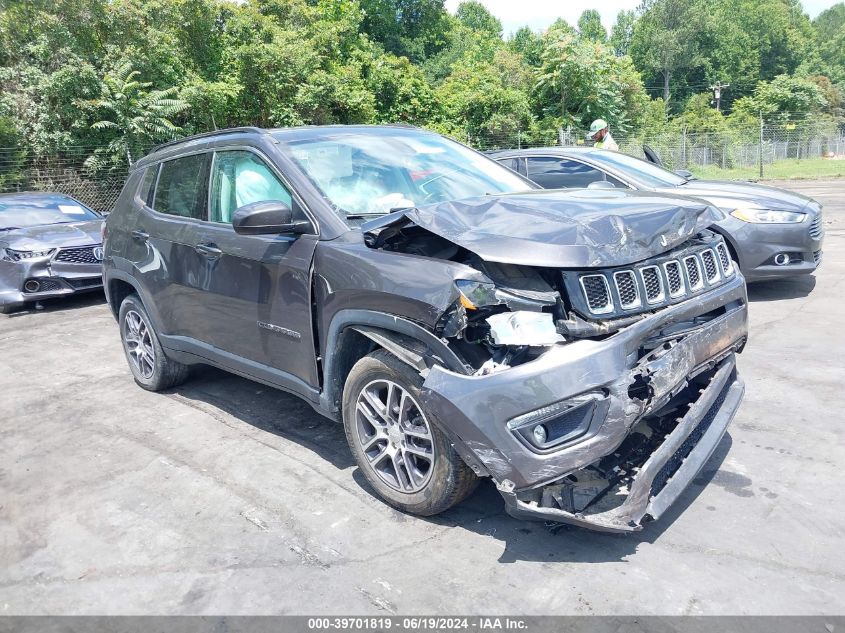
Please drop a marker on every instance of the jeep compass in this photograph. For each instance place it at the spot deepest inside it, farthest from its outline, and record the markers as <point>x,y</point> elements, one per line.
<point>578,347</point>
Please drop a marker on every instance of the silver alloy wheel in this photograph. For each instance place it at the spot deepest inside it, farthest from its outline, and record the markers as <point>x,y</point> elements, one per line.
<point>139,345</point>
<point>395,436</point>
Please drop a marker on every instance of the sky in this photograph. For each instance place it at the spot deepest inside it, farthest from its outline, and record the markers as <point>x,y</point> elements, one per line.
<point>539,14</point>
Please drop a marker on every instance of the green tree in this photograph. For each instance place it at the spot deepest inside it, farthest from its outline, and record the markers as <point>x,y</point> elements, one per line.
<point>480,102</point>
<point>784,99</point>
<point>413,28</point>
<point>581,80</point>
<point>590,26</point>
<point>622,32</point>
<point>138,116</point>
<point>665,40</point>
<point>829,32</point>
<point>475,16</point>
<point>529,44</point>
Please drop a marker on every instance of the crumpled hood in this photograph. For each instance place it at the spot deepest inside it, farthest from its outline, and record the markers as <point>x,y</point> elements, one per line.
<point>53,236</point>
<point>729,195</point>
<point>560,229</point>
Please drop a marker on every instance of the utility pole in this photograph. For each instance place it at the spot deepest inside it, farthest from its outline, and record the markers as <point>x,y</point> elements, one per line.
<point>760,146</point>
<point>717,94</point>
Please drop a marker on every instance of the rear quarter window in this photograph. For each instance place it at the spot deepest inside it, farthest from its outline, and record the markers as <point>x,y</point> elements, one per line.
<point>148,181</point>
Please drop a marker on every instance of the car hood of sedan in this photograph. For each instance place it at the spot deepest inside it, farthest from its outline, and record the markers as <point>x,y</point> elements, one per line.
<point>46,236</point>
<point>554,228</point>
<point>729,195</point>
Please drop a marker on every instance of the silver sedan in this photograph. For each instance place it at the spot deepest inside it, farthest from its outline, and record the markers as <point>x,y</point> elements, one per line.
<point>772,233</point>
<point>50,246</point>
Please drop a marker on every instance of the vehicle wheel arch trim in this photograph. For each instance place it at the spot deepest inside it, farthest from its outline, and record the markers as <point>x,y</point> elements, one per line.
<point>384,330</point>
<point>149,305</point>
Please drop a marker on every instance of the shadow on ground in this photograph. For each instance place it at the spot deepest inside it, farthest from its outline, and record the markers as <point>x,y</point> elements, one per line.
<point>779,289</point>
<point>291,418</point>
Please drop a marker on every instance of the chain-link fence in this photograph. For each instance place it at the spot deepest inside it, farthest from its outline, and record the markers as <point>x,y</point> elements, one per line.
<point>773,149</point>
<point>70,171</point>
<point>749,152</point>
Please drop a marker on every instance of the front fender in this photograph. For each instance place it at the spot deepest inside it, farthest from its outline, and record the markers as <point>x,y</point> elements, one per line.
<point>408,341</point>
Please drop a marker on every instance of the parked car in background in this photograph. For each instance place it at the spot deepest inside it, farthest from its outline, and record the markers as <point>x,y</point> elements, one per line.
<point>50,246</point>
<point>772,233</point>
<point>458,321</point>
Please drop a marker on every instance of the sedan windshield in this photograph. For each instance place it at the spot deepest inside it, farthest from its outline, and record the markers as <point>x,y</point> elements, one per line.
<point>20,212</point>
<point>645,174</point>
<point>365,174</point>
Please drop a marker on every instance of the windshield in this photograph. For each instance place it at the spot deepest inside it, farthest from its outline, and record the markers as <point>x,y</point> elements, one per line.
<point>646,174</point>
<point>371,173</point>
<point>21,212</point>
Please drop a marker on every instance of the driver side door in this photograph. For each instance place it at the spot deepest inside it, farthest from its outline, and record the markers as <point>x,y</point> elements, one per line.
<point>256,290</point>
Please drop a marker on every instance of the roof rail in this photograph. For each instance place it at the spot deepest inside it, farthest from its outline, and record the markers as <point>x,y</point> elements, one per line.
<point>231,130</point>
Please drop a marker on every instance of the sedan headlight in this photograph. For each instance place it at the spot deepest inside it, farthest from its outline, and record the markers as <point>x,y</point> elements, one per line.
<point>12,255</point>
<point>768,216</point>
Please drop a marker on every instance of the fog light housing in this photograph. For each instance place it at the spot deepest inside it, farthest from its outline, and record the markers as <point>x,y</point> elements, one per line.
<point>543,429</point>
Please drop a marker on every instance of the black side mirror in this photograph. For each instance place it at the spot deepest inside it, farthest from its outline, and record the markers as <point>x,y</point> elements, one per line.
<point>268,217</point>
<point>685,173</point>
<point>651,156</point>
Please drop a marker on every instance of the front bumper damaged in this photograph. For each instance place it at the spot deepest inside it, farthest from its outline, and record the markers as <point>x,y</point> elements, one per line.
<point>671,361</point>
<point>28,281</point>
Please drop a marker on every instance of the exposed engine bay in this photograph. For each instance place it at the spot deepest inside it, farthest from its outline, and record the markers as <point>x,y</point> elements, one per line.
<point>524,309</point>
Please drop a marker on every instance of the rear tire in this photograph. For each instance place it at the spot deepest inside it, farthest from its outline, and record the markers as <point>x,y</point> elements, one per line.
<point>149,365</point>
<point>398,446</point>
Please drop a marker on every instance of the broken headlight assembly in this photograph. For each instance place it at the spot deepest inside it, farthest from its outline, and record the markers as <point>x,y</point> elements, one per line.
<point>767,216</point>
<point>11,255</point>
<point>532,327</point>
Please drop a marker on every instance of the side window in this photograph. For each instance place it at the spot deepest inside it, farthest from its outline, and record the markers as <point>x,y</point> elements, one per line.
<point>181,187</point>
<point>145,190</point>
<point>615,182</point>
<point>240,178</point>
<point>558,173</point>
<point>510,163</point>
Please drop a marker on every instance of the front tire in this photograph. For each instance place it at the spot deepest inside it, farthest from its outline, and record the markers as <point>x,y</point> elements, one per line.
<point>405,457</point>
<point>150,367</point>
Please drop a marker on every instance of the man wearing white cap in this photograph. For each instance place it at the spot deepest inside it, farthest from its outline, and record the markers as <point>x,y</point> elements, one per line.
<point>600,133</point>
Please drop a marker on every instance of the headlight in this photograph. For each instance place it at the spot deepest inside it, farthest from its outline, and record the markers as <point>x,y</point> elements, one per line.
<point>535,329</point>
<point>477,294</point>
<point>768,216</point>
<point>13,256</point>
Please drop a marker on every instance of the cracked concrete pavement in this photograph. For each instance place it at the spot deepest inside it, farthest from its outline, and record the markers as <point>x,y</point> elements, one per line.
<point>226,497</point>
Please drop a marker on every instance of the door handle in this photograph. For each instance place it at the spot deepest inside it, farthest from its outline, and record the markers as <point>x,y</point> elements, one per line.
<point>208,250</point>
<point>141,236</point>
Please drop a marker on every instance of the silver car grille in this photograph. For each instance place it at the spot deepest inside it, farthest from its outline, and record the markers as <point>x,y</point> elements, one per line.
<point>77,255</point>
<point>653,285</point>
<point>816,229</point>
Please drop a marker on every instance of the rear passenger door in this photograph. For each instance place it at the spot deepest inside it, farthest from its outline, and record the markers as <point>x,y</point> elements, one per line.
<point>552,172</point>
<point>173,205</point>
<point>255,289</point>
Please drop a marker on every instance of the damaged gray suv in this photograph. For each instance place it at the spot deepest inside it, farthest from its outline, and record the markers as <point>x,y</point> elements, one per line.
<point>576,347</point>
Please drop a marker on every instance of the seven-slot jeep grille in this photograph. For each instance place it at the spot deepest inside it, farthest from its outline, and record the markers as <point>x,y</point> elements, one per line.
<point>597,293</point>
<point>711,268</point>
<point>626,285</point>
<point>77,255</point>
<point>655,283</point>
